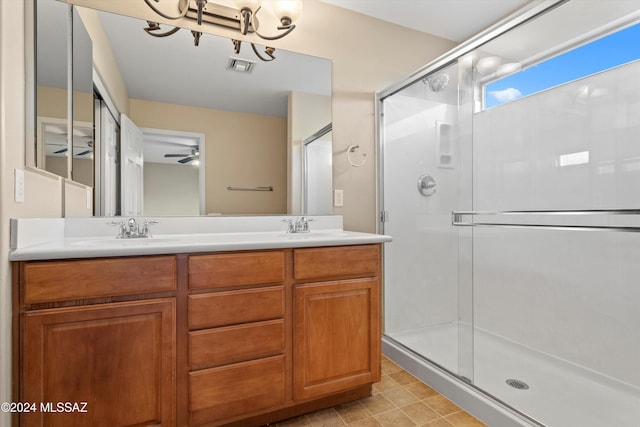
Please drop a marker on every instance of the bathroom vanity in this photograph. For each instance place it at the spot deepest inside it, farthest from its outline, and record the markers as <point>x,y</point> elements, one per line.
<point>229,332</point>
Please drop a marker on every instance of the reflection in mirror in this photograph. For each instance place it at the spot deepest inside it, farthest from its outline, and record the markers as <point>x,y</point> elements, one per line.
<point>82,105</point>
<point>52,18</point>
<point>53,134</point>
<point>317,179</point>
<point>245,117</point>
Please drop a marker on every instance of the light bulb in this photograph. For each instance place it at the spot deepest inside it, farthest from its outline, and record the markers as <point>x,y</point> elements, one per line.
<point>253,5</point>
<point>287,10</point>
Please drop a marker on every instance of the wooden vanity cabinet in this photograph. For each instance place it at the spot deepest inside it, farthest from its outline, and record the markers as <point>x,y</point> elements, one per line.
<point>337,319</point>
<point>96,342</point>
<point>241,338</point>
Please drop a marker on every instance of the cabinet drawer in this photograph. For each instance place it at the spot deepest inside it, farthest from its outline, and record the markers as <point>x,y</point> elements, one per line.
<point>317,263</point>
<point>234,390</point>
<point>214,347</point>
<point>70,280</point>
<point>233,307</point>
<point>223,270</point>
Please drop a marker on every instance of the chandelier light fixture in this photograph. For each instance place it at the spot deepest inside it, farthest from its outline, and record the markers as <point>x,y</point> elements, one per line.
<point>244,18</point>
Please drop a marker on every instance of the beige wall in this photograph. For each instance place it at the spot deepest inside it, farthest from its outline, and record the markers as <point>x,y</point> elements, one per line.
<point>367,55</point>
<point>241,149</point>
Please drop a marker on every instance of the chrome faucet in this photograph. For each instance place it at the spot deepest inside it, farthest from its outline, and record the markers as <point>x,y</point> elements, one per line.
<point>300,225</point>
<point>132,230</point>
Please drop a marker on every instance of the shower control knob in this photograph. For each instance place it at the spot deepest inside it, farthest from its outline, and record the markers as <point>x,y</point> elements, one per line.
<point>426,185</point>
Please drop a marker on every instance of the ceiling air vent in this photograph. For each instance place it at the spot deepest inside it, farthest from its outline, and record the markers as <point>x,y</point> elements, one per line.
<point>240,65</point>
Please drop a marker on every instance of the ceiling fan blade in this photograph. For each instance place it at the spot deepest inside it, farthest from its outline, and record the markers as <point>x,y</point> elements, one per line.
<point>186,160</point>
<point>60,151</point>
<point>84,152</point>
<point>176,155</point>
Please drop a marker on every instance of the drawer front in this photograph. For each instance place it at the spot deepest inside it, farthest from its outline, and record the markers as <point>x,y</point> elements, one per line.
<point>233,307</point>
<point>237,269</point>
<point>232,344</point>
<point>69,280</point>
<point>235,390</point>
<point>318,263</point>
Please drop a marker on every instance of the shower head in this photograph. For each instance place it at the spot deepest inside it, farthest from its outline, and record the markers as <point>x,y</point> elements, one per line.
<point>437,83</point>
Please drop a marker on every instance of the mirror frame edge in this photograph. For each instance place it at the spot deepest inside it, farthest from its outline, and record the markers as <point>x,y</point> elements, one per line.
<point>30,84</point>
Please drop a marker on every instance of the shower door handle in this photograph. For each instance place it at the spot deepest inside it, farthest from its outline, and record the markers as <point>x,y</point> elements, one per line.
<point>426,185</point>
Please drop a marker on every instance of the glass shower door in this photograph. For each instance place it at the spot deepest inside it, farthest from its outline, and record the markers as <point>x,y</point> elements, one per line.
<point>422,170</point>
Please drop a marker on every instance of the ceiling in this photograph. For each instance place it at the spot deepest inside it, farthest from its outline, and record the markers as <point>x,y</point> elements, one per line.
<point>456,20</point>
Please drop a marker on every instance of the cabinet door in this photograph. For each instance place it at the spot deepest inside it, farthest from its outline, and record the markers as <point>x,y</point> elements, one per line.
<point>118,358</point>
<point>336,336</point>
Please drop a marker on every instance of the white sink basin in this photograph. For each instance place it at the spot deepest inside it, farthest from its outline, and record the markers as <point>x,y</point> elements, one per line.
<point>316,235</point>
<point>122,242</point>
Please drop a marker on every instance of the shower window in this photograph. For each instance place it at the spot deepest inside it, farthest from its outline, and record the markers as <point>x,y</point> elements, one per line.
<point>507,81</point>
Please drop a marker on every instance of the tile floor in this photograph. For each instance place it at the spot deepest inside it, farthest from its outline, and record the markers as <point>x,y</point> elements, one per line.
<point>398,400</point>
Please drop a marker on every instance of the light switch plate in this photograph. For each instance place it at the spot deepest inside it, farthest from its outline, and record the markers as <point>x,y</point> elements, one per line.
<point>338,198</point>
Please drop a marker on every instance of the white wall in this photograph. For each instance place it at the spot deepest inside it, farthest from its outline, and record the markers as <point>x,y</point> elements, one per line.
<point>571,294</point>
<point>171,190</point>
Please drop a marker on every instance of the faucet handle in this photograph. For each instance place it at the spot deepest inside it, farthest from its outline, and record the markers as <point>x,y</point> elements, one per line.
<point>290,226</point>
<point>121,228</point>
<point>305,224</point>
<point>146,230</point>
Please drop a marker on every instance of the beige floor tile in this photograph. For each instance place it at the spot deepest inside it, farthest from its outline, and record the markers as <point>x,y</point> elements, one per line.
<point>441,405</point>
<point>377,404</point>
<point>439,423</point>
<point>463,419</point>
<point>400,397</point>
<point>325,418</point>
<point>394,418</point>
<point>421,390</point>
<point>351,412</point>
<point>388,367</point>
<point>403,377</point>
<point>386,383</point>
<point>367,422</point>
<point>420,413</point>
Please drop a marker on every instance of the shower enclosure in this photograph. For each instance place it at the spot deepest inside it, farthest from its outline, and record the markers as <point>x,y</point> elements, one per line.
<point>510,182</point>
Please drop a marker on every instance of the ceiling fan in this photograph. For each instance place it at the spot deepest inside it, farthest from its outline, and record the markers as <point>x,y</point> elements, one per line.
<point>86,150</point>
<point>186,158</point>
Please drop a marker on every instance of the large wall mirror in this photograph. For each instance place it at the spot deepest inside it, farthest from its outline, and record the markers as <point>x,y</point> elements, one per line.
<point>214,139</point>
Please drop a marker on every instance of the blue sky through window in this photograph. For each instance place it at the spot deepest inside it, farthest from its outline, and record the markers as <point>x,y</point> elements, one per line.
<point>602,54</point>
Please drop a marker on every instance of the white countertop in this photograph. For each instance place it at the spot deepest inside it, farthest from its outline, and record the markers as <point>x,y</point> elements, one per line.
<point>61,238</point>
